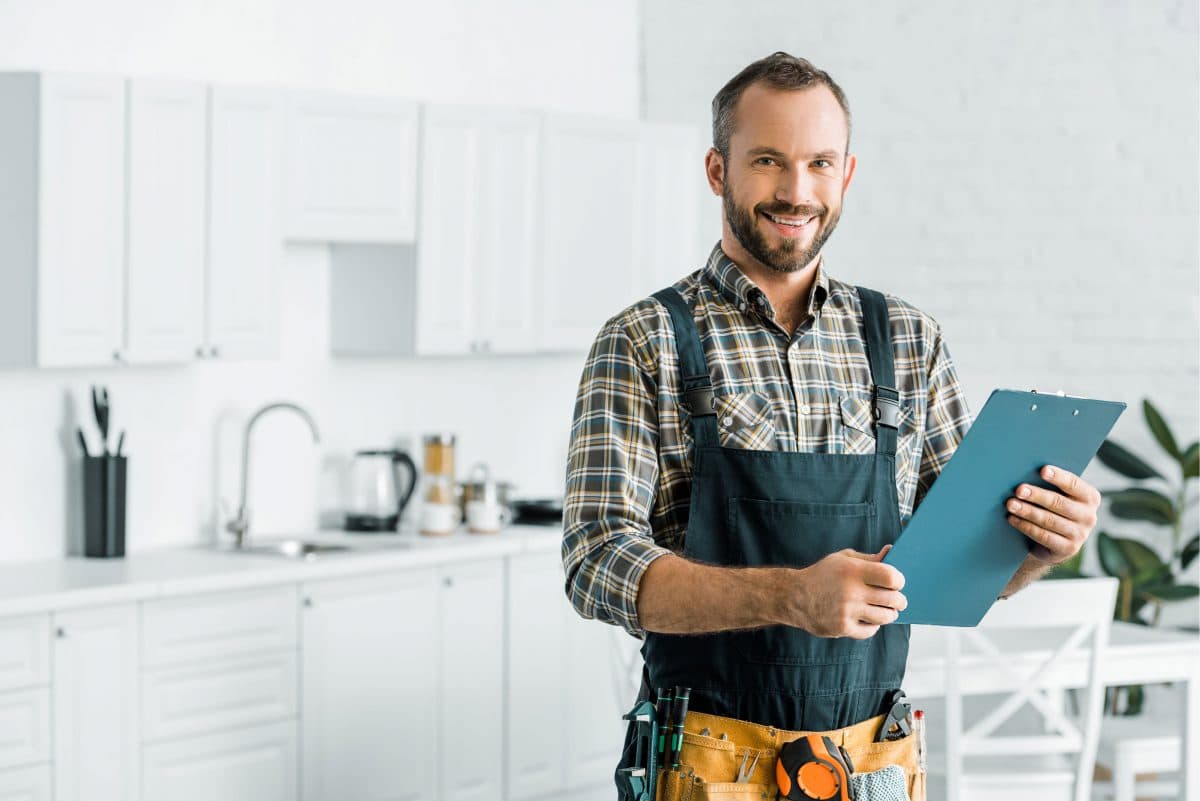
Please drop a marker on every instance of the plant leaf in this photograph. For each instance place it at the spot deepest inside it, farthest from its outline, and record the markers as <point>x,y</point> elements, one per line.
<point>1139,503</point>
<point>1112,559</point>
<point>1142,560</point>
<point>1160,429</point>
<point>1191,461</point>
<point>1170,592</point>
<point>1190,551</point>
<point>1115,457</point>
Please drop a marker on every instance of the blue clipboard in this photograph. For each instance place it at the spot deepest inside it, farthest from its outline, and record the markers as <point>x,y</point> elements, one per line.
<point>959,551</point>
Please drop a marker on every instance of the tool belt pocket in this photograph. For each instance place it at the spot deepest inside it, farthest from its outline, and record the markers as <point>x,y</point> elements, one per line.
<point>709,769</point>
<point>870,757</point>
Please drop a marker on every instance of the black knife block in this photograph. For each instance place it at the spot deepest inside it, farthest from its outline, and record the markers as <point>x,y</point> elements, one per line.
<point>104,506</point>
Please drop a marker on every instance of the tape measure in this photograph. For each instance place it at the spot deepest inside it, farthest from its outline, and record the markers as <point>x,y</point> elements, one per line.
<point>813,768</point>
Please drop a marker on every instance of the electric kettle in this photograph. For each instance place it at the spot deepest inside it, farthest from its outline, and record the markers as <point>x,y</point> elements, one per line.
<point>378,493</point>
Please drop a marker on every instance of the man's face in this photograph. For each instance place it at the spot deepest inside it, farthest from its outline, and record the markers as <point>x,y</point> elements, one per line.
<point>786,174</point>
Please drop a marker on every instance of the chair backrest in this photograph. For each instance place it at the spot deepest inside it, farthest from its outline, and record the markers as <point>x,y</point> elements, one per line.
<point>1031,646</point>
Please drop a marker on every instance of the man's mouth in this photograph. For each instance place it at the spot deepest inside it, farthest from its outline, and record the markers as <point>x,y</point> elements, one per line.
<point>790,226</point>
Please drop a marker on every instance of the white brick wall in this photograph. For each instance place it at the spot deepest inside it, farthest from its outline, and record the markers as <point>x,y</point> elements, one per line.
<point>1027,174</point>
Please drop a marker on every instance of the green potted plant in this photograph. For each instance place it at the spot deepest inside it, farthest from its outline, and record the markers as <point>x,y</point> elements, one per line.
<point>1147,579</point>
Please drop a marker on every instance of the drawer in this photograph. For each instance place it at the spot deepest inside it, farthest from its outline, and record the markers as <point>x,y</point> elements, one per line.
<point>258,763</point>
<point>25,784</point>
<point>24,652</point>
<point>179,702</point>
<point>201,628</point>
<point>24,727</point>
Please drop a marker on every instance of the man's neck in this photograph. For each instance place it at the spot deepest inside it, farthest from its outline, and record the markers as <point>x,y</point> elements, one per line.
<point>787,292</point>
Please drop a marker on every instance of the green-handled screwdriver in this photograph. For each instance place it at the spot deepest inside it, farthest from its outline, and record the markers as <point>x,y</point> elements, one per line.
<point>662,711</point>
<point>678,715</point>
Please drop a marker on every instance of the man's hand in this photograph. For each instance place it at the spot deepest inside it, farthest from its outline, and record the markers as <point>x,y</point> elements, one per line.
<point>1058,523</point>
<point>846,594</point>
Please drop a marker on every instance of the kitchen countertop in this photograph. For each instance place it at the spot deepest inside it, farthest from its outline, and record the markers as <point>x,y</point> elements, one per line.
<point>72,582</point>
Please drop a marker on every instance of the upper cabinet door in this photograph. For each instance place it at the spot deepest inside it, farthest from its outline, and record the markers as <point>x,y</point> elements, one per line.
<point>351,173</point>
<point>244,245</point>
<point>81,221</point>
<point>448,245</point>
<point>165,262</point>
<point>510,225</point>
<point>588,224</point>
<point>670,181</point>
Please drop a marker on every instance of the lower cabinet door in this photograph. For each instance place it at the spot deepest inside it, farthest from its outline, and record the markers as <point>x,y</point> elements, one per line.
<point>252,764</point>
<point>369,681</point>
<point>25,784</point>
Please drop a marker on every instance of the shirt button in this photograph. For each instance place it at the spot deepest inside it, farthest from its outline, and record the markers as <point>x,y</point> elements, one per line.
<point>728,421</point>
<point>805,409</point>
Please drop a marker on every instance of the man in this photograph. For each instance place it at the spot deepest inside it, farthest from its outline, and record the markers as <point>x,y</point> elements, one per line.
<point>748,443</point>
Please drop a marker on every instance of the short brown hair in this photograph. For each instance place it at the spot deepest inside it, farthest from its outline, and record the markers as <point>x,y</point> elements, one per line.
<point>779,70</point>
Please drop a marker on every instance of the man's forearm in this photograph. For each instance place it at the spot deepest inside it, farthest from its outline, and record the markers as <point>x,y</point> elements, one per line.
<point>1030,571</point>
<point>677,596</point>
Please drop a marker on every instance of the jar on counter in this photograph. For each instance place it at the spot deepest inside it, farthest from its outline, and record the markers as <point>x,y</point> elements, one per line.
<point>440,512</point>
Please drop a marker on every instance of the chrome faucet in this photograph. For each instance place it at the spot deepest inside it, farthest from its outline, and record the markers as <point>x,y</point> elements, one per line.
<point>240,525</point>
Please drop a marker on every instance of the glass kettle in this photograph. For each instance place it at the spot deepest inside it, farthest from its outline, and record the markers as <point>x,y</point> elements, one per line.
<point>378,491</point>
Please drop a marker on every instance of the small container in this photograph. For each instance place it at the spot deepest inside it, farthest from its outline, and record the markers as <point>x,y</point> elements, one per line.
<point>104,506</point>
<point>440,512</point>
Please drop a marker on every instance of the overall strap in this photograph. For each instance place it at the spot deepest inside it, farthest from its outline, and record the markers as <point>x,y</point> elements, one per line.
<point>885,403</point>
<point>697,386</point>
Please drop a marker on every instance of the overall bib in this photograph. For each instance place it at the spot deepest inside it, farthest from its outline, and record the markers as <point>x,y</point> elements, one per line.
<point>776,508</point>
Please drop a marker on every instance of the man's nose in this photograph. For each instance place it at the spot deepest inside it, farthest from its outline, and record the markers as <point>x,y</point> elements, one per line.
<point>795,187</point>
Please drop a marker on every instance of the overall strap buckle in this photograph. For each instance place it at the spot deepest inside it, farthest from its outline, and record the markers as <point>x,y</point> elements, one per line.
<point>886,406</point>
<point>699,397</point>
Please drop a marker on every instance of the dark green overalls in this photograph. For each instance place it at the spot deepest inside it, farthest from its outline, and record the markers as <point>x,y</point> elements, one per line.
<point>759,508</point>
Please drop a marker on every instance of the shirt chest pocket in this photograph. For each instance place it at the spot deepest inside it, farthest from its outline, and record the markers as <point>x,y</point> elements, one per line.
<point>745,420</point>
<point>858,431</point>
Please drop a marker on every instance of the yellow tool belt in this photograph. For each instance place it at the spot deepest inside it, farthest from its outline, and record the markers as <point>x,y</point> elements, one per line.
<point>710,763</point>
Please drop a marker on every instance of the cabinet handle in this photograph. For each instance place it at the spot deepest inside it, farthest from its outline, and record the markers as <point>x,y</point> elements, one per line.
<point>60,632</point>
<point>308,603</point>
<point>215,352</point>
<point>448,581</point>
<point>117,357</point>
<point>200,352</point>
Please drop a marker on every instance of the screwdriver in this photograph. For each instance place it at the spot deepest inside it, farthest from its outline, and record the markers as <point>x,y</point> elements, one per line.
<point>662,710</point>
<point>678,714</point>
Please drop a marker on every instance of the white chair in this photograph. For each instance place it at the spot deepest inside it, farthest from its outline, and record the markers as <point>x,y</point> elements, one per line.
<point>1000,755</point>
<point>1148,743</point>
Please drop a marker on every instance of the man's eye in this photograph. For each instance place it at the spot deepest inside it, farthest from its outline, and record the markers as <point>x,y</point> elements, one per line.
<point>822,163</point>
<point>764,160</point>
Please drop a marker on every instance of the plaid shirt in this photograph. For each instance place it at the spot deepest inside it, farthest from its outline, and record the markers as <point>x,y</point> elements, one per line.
<point>629,467</point>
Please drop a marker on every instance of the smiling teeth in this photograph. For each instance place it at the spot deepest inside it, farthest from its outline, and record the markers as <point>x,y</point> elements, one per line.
<point>782,221</point>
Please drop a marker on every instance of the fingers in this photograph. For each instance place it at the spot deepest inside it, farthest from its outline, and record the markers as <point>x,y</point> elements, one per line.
<point>1055,547</point>
<point>1071,484</point>
<point>887,599</point>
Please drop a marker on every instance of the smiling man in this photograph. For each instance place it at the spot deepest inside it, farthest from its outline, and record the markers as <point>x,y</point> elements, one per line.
<point>749,442</point>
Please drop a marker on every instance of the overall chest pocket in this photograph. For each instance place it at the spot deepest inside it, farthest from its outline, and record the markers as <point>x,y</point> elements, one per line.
<point>858,435</point>
<point>797,534</point>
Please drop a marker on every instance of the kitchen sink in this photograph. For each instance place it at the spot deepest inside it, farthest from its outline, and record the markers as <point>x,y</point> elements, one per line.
<point>295,549</point>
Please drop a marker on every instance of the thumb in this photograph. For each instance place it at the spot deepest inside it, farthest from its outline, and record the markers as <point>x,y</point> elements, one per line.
<point>869,557</point>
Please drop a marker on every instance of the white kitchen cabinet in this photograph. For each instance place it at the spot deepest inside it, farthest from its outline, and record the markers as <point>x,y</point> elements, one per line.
<point>62,219</point>
<point>477,249</point>
<point>25,723</point>
<point>589,207</point>
<point>369,665</point>
<point>670,178</point>
<point>564,727</point>
<point>536,729</point>
<point>245,246</point>
<point>96,736</point>
<point>471,694</point>
<point>351,168</point>
<point>25,644</point>
<point>248,764</point>
<point>25,784</point>
<point>168,141</point>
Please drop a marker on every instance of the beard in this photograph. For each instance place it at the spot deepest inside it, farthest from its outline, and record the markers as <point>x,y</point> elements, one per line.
<point>790,256</point>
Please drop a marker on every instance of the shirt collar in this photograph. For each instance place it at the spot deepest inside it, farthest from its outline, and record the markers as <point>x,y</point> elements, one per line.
<point>738,289</point>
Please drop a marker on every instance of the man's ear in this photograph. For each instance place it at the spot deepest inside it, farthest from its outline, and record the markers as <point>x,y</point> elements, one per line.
<point>851,163</point>
<point>714,170</point>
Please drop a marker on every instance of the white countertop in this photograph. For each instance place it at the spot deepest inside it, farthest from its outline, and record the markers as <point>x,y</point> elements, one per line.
<point>53,584</point>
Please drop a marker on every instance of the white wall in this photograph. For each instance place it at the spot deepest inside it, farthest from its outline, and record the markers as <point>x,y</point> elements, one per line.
<point>185,423</point>
<point>1027,173</point>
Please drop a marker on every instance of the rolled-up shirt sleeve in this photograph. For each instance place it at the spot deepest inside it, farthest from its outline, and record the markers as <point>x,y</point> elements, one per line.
<point>947,417</point>
<point>612,476</point>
